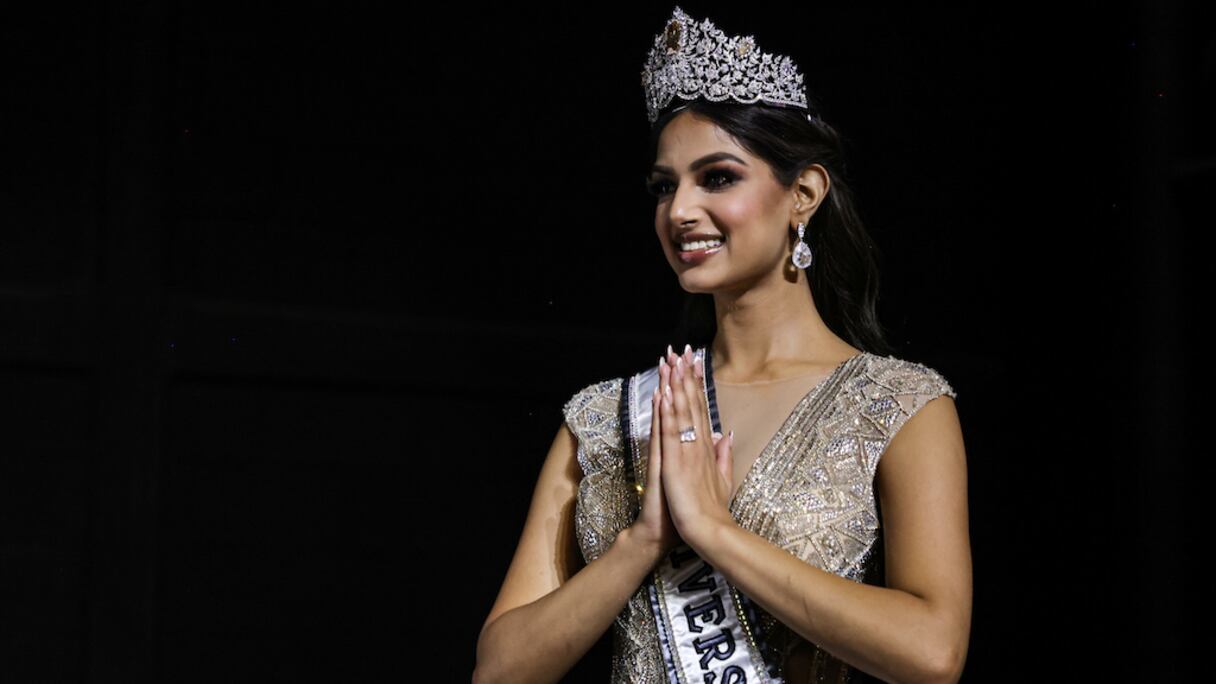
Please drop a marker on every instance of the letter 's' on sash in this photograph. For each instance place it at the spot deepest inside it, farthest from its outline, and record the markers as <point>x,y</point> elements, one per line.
<point>704,632</point>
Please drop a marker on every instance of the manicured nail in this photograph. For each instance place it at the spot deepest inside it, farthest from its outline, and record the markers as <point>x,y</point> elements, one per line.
<point>669,352</point>
<point>687,348</point>
<point>698,366</point>
<point>679,368</point>
<point>732,437</point>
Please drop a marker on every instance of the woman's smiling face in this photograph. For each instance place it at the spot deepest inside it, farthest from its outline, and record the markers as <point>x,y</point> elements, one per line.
<point>706,185</point>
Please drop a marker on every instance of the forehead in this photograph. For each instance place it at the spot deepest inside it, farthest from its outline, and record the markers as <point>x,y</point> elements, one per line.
<point>687,137</point>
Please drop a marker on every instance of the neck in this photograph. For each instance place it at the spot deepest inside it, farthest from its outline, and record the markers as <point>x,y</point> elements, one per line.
<point>772,330</point>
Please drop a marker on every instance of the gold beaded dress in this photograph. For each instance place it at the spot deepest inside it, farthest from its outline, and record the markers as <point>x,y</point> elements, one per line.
<point>809,490</point>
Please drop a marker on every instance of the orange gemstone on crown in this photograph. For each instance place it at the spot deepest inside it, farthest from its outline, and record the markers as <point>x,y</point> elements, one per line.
<point>673,36</point>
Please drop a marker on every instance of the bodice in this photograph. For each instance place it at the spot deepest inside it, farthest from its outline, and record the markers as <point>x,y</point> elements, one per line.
<point>810,492</point>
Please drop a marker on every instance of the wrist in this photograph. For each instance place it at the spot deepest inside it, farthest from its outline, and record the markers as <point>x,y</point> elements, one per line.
<point>708,535</point>
<point>640,543</point>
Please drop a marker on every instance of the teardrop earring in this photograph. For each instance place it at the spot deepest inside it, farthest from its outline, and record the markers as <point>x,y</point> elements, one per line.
<point>802,251</point>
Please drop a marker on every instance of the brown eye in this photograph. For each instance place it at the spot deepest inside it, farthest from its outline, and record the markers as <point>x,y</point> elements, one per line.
<point>728,176</point>
<point>656,188</point>
<point>715,179</point>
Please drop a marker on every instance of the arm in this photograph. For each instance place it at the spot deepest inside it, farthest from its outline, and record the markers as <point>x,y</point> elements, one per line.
<point>548,614</point>
<point>915,629</point>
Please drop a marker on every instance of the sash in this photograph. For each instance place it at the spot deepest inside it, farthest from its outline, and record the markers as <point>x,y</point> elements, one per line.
<point>706,627</point>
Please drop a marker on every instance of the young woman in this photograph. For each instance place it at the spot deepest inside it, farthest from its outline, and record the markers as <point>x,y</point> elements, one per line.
<point>825,537</point>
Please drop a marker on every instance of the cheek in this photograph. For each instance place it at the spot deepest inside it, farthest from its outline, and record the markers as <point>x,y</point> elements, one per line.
<point>744,218</point>
<point>740,212</point>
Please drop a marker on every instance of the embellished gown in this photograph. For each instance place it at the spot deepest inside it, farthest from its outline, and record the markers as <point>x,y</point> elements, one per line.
<point>810,491</point>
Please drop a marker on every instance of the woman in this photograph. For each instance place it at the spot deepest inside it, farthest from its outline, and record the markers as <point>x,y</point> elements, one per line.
<point>758,556</point>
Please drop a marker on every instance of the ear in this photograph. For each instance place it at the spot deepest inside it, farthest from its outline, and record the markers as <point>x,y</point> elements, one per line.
<point>810,189</point>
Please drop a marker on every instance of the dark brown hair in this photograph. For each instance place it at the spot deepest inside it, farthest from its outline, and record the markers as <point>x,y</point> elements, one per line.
<point>844,273</point>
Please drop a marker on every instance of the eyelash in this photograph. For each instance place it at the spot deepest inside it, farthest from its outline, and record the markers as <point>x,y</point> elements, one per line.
<point>730,176</point>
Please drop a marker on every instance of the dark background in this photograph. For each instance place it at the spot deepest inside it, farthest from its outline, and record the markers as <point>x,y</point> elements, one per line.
<point>291,295</point>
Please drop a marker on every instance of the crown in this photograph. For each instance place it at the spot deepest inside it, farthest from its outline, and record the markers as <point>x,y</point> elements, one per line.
<point>692,60</point>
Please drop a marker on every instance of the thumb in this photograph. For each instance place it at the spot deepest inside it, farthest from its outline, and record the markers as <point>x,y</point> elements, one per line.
<point>726,457</point>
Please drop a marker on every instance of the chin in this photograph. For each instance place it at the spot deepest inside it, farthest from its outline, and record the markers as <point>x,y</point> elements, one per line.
<point>698,284</point>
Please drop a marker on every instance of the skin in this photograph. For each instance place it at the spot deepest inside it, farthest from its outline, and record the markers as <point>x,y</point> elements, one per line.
<point>551,609</point>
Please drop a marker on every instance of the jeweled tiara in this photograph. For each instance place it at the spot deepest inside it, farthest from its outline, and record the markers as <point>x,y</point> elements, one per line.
<point>692,60</point>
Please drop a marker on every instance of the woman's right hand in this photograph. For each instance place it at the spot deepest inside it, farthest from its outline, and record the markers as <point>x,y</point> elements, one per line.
<point>653,527</point>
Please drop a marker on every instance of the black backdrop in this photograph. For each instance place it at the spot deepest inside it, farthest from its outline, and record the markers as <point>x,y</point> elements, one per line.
<point>291,294</point>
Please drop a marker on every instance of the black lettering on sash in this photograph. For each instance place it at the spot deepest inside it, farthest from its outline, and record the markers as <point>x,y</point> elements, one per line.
<point>734,675</point>
<point>721,647</point>
<point>698,581</point>
<point>680,554</point>
<point>710,611</point>
<point>712,606</point>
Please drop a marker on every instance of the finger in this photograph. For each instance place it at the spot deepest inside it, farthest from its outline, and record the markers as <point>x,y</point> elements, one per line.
<point>683,414</point>
<point>726,460</point>
<point>696,387</point>
<point>699,367</point>
<point>687,410</point>
<point>669,433</point>
<point>654,459</point>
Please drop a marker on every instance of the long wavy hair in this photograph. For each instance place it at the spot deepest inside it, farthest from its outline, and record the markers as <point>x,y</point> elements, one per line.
<point>844,273</point>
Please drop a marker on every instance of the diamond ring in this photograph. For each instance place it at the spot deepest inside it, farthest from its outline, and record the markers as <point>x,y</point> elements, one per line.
<point>688,434</point>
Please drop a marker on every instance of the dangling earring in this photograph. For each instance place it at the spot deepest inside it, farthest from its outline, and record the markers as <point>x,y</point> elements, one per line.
<point>802,251</point>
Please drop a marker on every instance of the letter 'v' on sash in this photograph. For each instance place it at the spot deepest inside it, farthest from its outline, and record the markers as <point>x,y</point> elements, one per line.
<point>703,630</point>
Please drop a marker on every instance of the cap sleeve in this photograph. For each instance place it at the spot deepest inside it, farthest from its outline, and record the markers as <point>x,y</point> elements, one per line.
<point>911,386</point>
<point>591,414</point>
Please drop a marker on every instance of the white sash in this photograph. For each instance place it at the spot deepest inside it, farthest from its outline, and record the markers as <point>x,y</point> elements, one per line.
<point>704,632</point>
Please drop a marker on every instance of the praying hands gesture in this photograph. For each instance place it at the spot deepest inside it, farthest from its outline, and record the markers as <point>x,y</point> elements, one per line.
<point>688,483</point>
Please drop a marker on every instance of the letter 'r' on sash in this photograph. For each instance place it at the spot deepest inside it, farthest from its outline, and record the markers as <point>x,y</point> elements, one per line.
<point>703,634</point>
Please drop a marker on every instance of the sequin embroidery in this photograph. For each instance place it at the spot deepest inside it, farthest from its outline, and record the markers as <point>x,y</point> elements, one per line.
<point>813,497</point>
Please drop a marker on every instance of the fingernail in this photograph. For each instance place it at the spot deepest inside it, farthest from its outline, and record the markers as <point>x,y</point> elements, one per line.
<point>698,366</point>
<point>679,368</point>
<point>669,352</point>
<point>687,348</point>
<point>732,437</point>
<point>717,435</point>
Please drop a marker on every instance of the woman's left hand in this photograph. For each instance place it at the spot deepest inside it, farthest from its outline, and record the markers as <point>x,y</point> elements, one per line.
<point>698,475</point>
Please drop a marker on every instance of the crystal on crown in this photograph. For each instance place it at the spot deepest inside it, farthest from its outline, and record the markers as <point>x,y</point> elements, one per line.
<point>692,60</point>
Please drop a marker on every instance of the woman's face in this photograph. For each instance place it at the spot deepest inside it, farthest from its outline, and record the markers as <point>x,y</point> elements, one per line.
<point>707,185</point>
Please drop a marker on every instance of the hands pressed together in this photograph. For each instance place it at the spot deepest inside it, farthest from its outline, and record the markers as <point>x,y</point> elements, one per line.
<point>688,484</point>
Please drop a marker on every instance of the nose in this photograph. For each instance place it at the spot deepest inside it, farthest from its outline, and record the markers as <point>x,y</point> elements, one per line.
<point>683,207</point>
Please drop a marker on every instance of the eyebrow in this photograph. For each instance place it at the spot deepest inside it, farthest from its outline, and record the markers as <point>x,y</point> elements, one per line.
<point>707,159</point>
